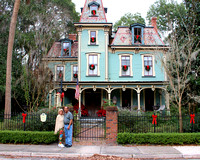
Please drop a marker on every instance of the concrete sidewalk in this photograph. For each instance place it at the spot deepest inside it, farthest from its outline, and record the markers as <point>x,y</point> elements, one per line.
<point>160,152</point>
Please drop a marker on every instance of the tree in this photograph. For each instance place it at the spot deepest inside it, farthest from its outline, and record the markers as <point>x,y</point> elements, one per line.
<point>129,19</point>
<point>169,14</point>
<point>9,57</point>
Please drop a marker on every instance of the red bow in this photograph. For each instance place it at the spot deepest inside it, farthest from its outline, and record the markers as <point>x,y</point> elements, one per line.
<point>92,65</point>
<point>137,36</point>
<point>24,117</point>
<point>192,118</point>
<point>154,119</point>
<point>125,67</point>
<point>92,39</point>
<point>147,67</point>
<point>65,49</point>
<point>93,12</point>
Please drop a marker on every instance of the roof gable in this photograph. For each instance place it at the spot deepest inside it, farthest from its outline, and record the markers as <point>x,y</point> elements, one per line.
<point>86,12</point>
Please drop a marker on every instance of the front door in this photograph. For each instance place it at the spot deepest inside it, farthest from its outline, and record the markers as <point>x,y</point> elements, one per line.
<point>126,98</point>
<point>92,101</point>
<point>149,99</point>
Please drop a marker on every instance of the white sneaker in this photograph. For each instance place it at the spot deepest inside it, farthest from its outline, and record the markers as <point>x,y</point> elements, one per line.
<point>62,145</point>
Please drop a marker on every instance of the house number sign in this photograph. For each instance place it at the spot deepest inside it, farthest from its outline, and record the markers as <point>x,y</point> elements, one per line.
<point>43,117</point>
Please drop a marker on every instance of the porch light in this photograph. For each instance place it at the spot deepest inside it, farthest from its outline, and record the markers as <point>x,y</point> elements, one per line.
<point>114,100</point>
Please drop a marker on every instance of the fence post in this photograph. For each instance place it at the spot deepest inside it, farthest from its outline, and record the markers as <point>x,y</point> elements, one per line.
<point>111,125</point>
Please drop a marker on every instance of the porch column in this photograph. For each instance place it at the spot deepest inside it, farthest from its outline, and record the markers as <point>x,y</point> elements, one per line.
<point>167,103</point>
<point>50,98</point>
<point>138,96</point>
<point>79,101</point>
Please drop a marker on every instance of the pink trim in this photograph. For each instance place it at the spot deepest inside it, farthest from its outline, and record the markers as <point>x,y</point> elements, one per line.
<point>83,10</point>
<point>103,10</point>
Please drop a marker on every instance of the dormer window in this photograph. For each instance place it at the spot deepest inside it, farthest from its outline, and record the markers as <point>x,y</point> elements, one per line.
<point>93,8</point>
<point>137,33</point>
<point>66,47</point>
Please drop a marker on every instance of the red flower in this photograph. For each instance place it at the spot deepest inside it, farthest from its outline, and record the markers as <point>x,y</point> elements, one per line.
<point>101,113</point>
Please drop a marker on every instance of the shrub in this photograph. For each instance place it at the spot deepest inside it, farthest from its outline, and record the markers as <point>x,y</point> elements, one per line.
<point>27,137</point>
<point>158,138</point>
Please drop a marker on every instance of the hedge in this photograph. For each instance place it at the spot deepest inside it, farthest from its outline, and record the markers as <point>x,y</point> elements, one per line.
<point>158,138</point>
<point>27,137</point>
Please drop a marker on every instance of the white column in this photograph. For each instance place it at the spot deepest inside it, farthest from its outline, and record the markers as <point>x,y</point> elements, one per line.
<point>79,55</point>
<point>79,110</point>
<point>106,56</point>
<point>50,99</point>
<point>138,96</point>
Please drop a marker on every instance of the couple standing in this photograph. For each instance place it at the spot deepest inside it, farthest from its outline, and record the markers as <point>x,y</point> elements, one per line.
<point>64,123</point>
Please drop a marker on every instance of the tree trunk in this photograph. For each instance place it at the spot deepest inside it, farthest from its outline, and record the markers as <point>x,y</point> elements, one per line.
<point>180,117</point>
<point>9,58</point>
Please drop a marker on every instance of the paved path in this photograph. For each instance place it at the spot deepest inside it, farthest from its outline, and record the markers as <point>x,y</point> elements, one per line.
<point>45,151</point>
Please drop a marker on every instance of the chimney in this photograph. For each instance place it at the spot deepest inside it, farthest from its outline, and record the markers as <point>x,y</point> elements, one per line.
<point>72,36</point>
<point>154,23</point>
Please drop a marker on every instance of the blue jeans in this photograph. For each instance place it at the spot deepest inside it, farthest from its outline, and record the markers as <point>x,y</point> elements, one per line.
<point>68,135</point>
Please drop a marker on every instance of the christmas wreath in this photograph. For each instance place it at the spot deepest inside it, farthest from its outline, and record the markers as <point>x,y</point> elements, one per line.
<point>125,68</point>
<point>137,38</point>
<point>93,39</point>
<point>92,67</point>
<point>75,75</point>
<point>147,68</point>
<point>93,12</point>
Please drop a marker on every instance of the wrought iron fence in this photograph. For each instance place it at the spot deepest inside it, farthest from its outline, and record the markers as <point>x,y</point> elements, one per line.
<point>89,128</point>
<point>14,121</point>
<point>164,124</point>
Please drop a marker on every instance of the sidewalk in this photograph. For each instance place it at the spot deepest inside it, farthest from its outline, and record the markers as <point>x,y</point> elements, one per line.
<point>49,151</point>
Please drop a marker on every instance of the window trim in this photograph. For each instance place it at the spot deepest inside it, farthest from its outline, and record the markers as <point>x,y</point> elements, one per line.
<point>153,64</point>
<point>70,45</point>
<point>131,64</point>
<point>59,65</point>
<point>98,64</point>
<point>89,33</point>
<point>72,71</point>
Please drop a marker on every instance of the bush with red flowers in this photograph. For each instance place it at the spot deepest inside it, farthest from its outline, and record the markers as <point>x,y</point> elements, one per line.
<point>84,111</point>
<point>101,113</point>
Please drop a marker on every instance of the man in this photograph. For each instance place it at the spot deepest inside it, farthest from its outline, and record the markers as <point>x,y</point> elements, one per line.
<point>68,120</point>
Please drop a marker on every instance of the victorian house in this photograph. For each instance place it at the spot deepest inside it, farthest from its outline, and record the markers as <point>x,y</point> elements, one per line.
<point>123,66</point>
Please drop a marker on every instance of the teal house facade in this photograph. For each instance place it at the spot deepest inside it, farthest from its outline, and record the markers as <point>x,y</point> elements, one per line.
<point>122,66</point>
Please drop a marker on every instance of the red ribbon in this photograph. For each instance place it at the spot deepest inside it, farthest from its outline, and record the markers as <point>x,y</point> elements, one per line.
<point>24,117</point>
<point>154,119</point>
<point>125,67</point>
<point>192,118</point>
<point>93,12</point>
<point>148,67</point>
<point>137,36</point>
<point>92,39</point>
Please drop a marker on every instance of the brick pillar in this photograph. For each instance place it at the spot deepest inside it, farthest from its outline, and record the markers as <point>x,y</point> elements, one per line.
<point>111,125</point>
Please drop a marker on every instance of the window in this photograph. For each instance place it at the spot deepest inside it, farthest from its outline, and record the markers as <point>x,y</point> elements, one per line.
<point>59,73</point>
<point>148,66</point>
<point>125,65</point>
<point>93,65</point>
<point>75,72</point>
<point>93,10</point>
<point>66,48</point>
<point>137,35</point>
<point>93,37</point>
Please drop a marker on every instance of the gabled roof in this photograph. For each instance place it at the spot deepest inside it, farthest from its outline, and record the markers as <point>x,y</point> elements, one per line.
<point>86,14</point>
<point>93,3</point>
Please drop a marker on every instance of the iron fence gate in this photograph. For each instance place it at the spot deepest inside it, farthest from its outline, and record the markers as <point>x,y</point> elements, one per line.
<point>89,128</point>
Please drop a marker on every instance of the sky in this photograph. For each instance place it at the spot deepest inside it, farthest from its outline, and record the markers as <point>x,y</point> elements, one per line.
<point>117,8</point>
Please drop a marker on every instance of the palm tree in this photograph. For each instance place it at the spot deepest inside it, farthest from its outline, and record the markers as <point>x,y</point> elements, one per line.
<point>9,58</point>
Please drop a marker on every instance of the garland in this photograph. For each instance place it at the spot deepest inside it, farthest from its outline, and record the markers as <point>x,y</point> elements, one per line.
<point>147,68</point>
<point>75,75</point>
<point>93,12</point>
<point>125,68</point>
<point>92,67</point>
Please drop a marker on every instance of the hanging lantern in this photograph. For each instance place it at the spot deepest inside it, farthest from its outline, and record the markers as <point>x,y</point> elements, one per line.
<point>125,68</point>
<point>92,67</point>
<point>65,46</point>
<point>147,68</point>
